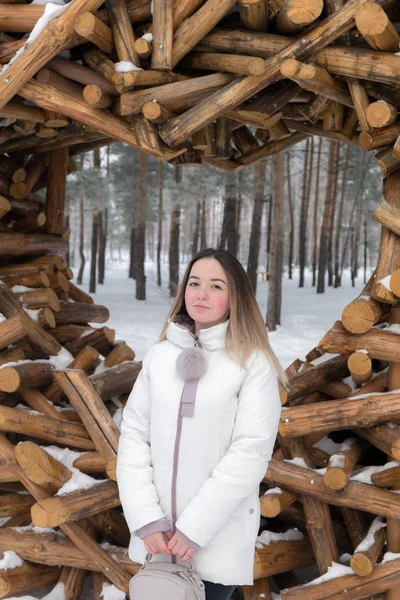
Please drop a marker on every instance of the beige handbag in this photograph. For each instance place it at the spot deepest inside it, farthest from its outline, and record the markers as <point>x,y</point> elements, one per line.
<point>163,580</point>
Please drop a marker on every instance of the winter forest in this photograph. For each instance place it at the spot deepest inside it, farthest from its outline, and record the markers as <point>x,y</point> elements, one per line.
<point>306,210</point>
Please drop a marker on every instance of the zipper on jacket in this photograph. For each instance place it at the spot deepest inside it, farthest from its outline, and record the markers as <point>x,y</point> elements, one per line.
<point>176,455</point>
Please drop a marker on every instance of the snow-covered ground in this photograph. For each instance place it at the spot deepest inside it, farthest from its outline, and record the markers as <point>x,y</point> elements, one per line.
<point>306,317</point>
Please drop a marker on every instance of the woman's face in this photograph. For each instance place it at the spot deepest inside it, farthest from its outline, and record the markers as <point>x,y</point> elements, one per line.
<point>207,293</point>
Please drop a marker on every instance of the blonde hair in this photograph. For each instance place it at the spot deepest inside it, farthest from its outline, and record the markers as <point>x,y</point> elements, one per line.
<point>246,331</point>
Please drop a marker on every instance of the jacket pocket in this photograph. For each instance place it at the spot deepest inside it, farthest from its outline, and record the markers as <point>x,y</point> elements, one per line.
<point>227,425</point>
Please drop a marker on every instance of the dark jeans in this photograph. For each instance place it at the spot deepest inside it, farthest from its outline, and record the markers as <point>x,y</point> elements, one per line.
<point>217,591</point>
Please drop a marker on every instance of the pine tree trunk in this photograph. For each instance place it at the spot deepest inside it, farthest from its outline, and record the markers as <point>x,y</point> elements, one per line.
<point>269,230</point>
<point>203,237</point>
<point>81,239</point>
<point>103,244</point>
<point>315,220</point>
<point>339,219</point>
<point>255,235</point>
<point>332,223</point>
<point>291,218</point>
<point>326,222</point>
<point>93,255</point>
<point>303,217</point>
<point>196,230</point>
<point>276,246</point>
<point>365,249</point>
<point>100,241</point>
<point>239,204</point>
<point>132,272</point>
<point>140,233</point>
<point>66,224</point>
<point>364,169</point>
<point>228,232</point>
<point>160,219</point>
<point>174,250</point>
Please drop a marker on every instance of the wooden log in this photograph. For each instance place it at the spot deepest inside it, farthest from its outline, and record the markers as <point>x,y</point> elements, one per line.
<point>52,99</point>
<point>75,532</point>
<point>368,552</point>
<point>122,31</point>
<point>40,298</point>
<point>12,330</point>
<point>244,140</point>
<point>388,478</point>
<point>132,102</point>
<point>25,579</point>
<point>96,97</point>
<point>37,401</point>
<point>230,63</point>
<point>41,467</point>
<point>161,57</point>
<point>341,465</point>
<point>35,279</point>
<point>116,380</point>
<point>317,80</point>
<point>193,29</point>
<point>273,503</point>
<point>93,29</point>
<point>281,556</point>
<point>5,206</point>
<point>56,182</point>
<point>156,113</point>
<point>339,414</point>
<point>316,376</point>
<point>54,119</point>
<point>364,312</point>
<point>100,63</point>
<point>92,411</point>
<point>68,333</point>
<point>79,295</point>
<point>376,28</point>
<point>360,367</point>
<point>379,138</point>
<point>33,374</point>
<point>120,353</point>
<point>320,530</point>
<point>90,463</point>
<point>79,73</point>
<point>379,343</point>
<point>12,355</point>
<point>101,339</point>
<point>355,495</point>
<point>295,15</point>
<point>84,360</point>
<point>381,114</point>
<point>338,60</point>
<point>72,580</point>
<point>175,132</point>
<point>254,14</point>
<point>384,437</point>
<point>46,428</point>
<point>388,163</point>
<point>29,223</point>
<point>259,589</point>
<point>28,244</point>
<point>271,148</point>
<point>81,312</point>
<point>53,512</point>
<point>13,504</point>
<point>51,549</point>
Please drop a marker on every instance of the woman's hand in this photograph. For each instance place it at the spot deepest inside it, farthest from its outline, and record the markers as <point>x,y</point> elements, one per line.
<point>155,543</point>
<point>177,546</point>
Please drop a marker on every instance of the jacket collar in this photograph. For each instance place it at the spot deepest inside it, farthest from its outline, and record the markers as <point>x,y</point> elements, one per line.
<point>180,331</point>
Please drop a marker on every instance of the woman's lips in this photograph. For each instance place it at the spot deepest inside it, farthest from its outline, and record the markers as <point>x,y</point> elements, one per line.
<point>201,307</point>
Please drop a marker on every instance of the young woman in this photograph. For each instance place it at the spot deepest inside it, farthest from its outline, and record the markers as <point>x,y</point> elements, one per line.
<point>199,429</point>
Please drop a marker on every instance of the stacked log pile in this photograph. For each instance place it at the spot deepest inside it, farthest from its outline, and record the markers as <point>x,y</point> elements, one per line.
<point>194,81</point>
<point>197,82</point>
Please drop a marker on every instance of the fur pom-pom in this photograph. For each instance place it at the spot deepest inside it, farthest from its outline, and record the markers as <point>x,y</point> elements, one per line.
<point>191,363</point>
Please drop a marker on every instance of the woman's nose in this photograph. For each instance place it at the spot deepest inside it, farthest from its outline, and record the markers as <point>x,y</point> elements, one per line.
<point>202,292</point>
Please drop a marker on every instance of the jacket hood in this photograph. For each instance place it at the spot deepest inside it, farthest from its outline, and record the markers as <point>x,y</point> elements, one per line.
<point>180,331</point>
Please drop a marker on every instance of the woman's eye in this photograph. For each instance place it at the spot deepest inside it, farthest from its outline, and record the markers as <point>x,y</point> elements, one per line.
<point>192,283</point>
<point>217,286</point>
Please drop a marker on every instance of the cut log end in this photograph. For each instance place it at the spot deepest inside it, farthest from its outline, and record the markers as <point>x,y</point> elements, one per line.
<point>335,478</point>
<point>303,12</point>
<point>361,564</point>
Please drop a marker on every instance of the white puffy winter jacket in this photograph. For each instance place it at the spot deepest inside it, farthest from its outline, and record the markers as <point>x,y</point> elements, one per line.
<point>224,452</point>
